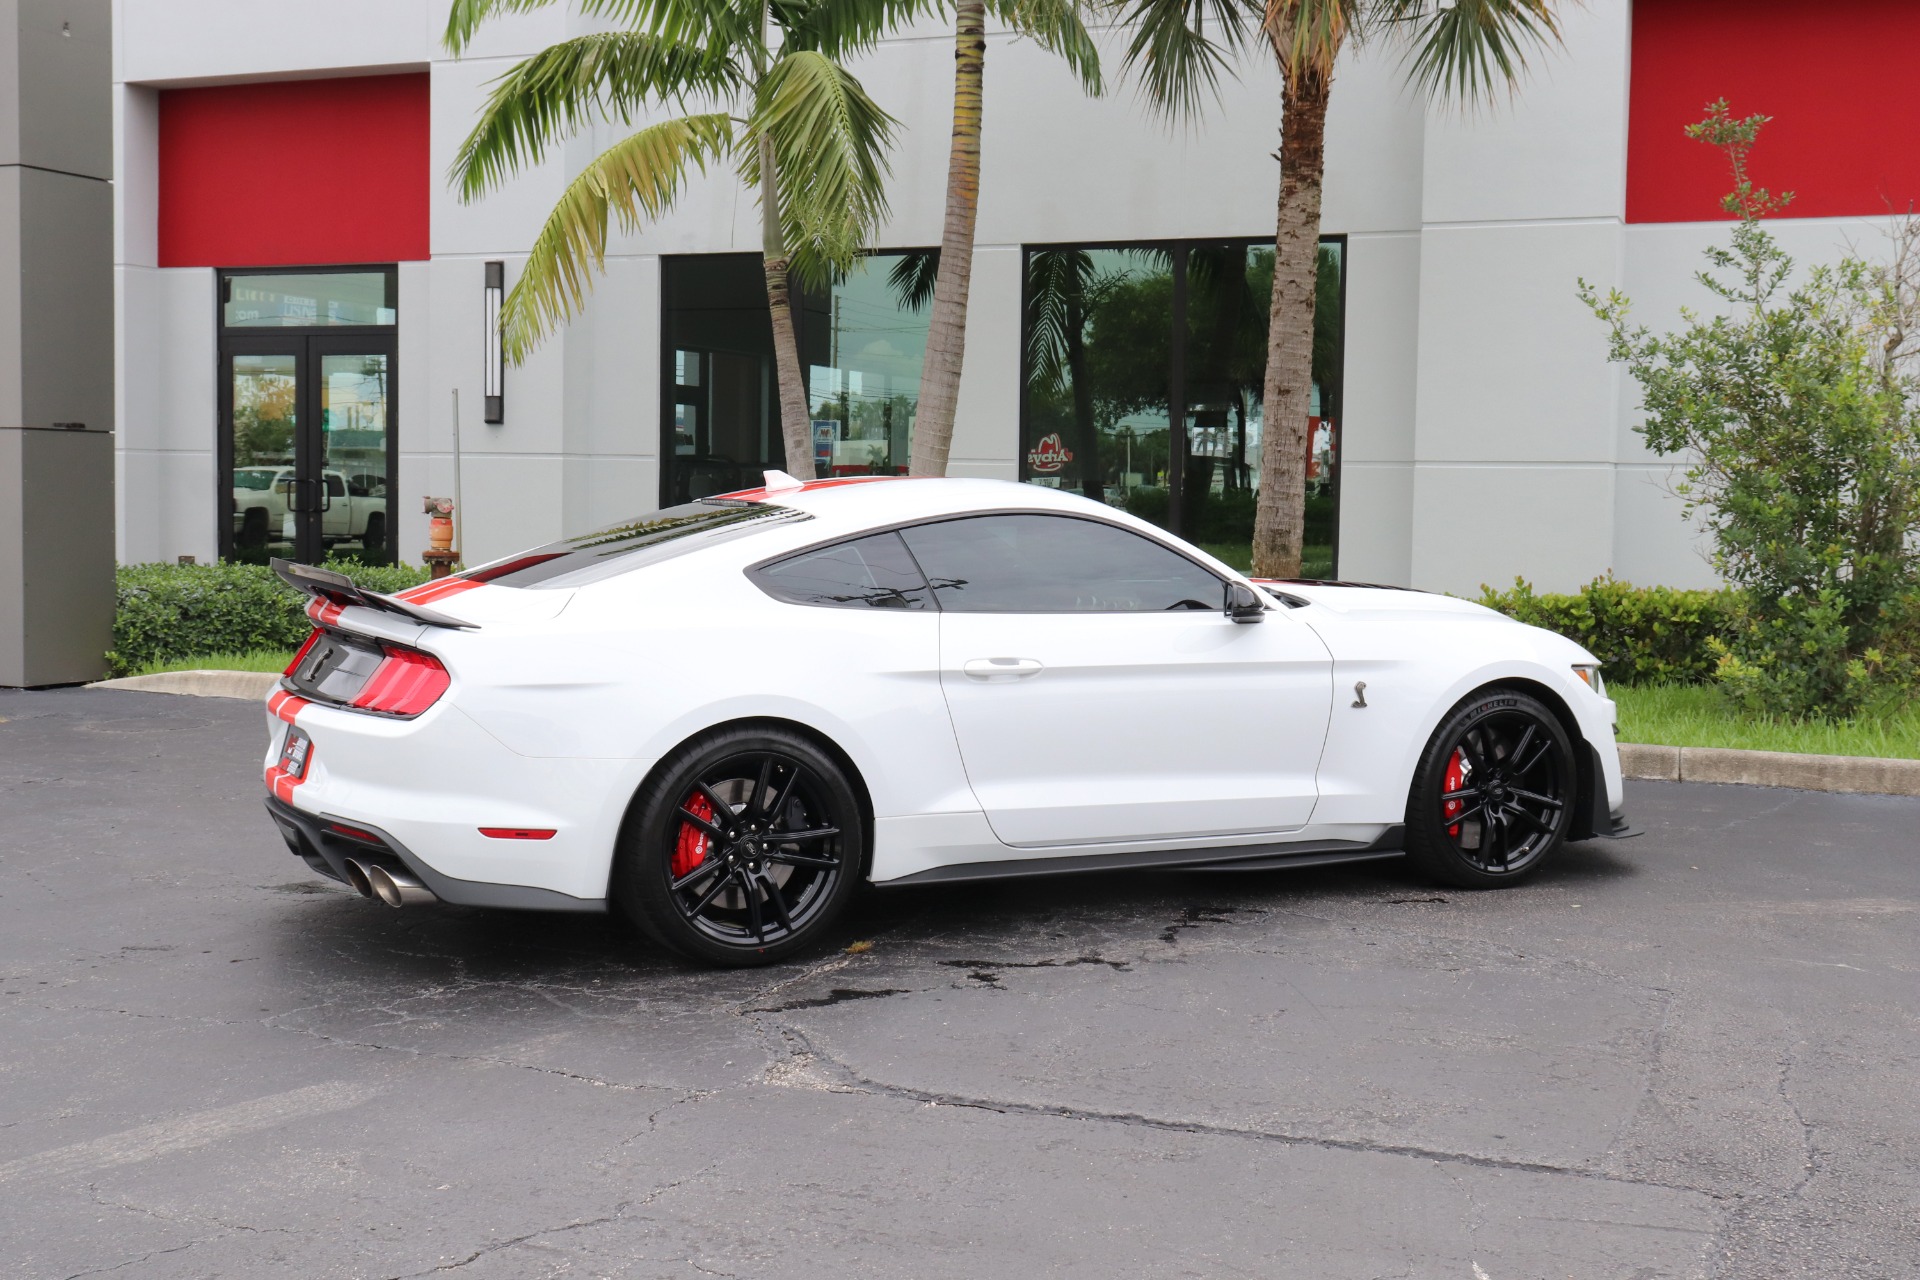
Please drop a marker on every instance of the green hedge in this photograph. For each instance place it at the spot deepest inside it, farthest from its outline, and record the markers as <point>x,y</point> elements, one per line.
<point>1642,635</point>
<point>167,612</point>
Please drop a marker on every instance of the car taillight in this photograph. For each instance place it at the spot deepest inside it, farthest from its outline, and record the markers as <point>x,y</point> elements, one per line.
<point>301,656</point>
<point>405,683</point>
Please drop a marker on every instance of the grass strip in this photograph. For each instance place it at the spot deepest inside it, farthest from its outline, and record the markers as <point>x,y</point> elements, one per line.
<point>1675,715</point>
<point>274,660</point>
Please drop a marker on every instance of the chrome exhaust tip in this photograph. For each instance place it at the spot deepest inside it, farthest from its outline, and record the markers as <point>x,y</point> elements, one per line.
<point>397,888</point>
<point>357,877</point>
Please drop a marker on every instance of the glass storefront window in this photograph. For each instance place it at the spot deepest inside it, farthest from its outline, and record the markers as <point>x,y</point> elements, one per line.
<point>265,413</point>
<point>306,299</point>
<point>1100,383</point>
<point>308,364</point>
<point>861,344</point>
<point>863,341</point>
<point>722,422</point>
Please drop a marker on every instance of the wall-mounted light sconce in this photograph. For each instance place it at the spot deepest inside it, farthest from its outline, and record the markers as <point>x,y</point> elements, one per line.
<point>496,358</point>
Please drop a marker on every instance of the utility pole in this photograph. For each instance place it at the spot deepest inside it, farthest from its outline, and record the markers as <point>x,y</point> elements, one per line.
<point>57,508</point>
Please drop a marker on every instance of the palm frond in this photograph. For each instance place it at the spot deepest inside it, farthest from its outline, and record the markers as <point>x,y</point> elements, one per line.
<point>465,17</point>
<point>829,142</point>
<point>841,27</point>
<point>707,23</point>
<point>1178,58</point>
<point>1472,48</point>
<point>1059,27</point>
<point>1057,284</point>
<point>913,277</point>
<point>635,179</point>
<point>1307,34</point>
<point>609,75</point>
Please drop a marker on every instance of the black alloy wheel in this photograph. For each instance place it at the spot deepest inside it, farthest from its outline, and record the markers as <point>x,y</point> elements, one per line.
<point>1494,791</point>
<point>744,849</point>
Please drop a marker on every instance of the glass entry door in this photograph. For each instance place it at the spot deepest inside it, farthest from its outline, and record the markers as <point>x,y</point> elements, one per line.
<point>307,446</point>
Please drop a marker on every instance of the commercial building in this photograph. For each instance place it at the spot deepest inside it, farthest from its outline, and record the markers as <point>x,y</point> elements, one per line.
<point>302,298</point>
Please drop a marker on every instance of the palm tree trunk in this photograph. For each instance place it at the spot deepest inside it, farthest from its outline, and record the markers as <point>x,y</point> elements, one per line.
<point>1280,517</point>
<point>795,428</point>
<point>1086,435</point>
<point>947,328</point>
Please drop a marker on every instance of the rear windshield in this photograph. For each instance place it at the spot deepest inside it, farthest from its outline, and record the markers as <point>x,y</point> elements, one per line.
<point>253,478</point>
<point>666,533</point>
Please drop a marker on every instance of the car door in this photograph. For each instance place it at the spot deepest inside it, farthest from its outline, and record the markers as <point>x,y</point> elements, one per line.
<point>1100,693</point>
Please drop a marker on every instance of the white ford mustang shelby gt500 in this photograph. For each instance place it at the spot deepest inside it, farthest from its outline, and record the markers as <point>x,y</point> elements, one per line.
<point>718,718</point>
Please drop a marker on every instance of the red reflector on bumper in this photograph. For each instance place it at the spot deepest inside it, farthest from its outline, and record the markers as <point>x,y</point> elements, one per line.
<point>354,833</point>
<point>517,833</point>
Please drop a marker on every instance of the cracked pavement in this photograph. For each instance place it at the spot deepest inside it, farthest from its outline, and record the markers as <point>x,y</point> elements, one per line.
<point>1689,1055</point>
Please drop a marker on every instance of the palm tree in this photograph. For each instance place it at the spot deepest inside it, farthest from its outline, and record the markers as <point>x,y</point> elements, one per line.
<point>1056,26</point>
<point>1467,49</point>
<point>796,126</point>
<point>1063,291</point>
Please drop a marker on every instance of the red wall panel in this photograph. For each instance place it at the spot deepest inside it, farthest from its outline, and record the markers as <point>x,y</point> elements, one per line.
<point>303,172</point>
<point>1837,76</point>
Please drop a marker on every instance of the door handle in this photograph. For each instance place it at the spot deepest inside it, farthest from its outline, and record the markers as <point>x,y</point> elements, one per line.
<point>1001,668</point>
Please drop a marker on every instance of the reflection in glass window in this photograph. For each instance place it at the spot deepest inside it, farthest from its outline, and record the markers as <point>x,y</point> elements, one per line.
<point>873,572</point>
<point>1056,564</point>
<point>1099,366</point>
<point>306,299</point>
<point>861,344</point>
<point>265,395</point>
<point>722,427</point>
<point>353,455</point>
<point>863,341</point>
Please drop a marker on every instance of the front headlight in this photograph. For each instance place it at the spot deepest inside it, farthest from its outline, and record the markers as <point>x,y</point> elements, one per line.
<point>1590,673</point>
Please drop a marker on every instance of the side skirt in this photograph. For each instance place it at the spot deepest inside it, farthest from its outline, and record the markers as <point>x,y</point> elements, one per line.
<point>1259,857</point>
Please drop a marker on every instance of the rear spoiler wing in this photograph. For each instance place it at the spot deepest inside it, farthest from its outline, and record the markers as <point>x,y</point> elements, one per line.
<point>338,588</point>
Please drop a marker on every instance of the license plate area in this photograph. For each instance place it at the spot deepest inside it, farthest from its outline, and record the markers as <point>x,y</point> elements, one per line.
<point>296,753</point>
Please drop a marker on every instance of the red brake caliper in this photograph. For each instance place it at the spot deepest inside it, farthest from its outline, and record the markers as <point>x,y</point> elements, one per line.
<point>691,849</point>
<point>1456,778</point>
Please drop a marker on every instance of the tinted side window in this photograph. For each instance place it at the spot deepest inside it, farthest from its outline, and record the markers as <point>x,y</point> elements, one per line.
<point>336,487</point>
<point>1055,564</point>
<point>871,572</point>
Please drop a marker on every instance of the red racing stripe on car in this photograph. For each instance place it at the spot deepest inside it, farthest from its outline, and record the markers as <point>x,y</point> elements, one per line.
<point>286,705</point>
<point>428,592</point>
<point>807,486</point>
<point>281,783</point>
<point>324,612</point>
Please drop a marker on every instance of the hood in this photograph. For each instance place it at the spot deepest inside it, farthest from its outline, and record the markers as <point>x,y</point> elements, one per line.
<point>1362,600</point>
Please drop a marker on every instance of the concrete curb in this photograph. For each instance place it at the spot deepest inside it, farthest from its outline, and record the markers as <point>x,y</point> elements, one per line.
<point>1857,775</point>
<point>253,686</point>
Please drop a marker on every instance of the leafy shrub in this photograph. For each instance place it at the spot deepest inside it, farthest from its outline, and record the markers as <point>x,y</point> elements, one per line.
<point>168,612</point>
<point>1641,635</point>
<point>1798,414</point>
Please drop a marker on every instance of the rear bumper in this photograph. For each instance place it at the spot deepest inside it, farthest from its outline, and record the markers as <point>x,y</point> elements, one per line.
<point>311,839</point>
<point>431,787</point>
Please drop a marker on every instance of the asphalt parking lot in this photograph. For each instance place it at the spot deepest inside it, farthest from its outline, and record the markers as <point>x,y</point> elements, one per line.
<point>1692,1054</point>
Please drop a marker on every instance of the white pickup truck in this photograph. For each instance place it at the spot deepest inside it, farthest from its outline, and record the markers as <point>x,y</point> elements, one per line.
<point>352,508</point>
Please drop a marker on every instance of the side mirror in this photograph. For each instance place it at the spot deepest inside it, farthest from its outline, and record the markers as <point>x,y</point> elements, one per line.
<point>1244,603</point>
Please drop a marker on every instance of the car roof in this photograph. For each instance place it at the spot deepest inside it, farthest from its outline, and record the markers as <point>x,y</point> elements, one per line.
<point>859,502</point>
